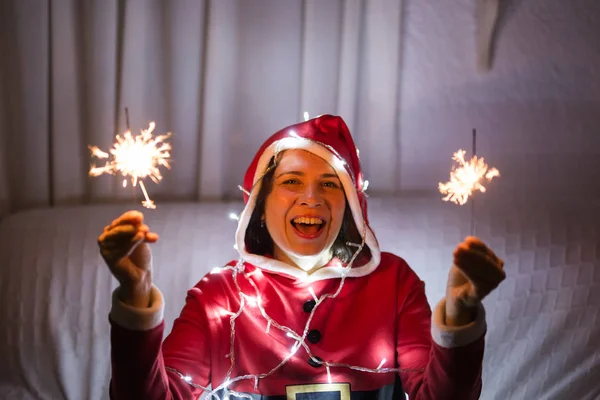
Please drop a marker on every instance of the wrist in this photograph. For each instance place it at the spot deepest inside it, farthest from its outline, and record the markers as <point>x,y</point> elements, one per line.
<point>136,294</point>
<point>459,314</point>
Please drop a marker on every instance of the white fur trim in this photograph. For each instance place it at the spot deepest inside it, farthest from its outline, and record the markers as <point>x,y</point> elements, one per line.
<point>266,263</point>
<point>456,336</point>
<point>138,319</point>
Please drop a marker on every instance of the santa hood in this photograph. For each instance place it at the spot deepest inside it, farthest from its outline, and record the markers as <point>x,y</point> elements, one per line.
<point>328,137</point>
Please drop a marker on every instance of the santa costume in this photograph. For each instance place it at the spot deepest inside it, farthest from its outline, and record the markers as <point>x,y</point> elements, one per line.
<point>376,337</point>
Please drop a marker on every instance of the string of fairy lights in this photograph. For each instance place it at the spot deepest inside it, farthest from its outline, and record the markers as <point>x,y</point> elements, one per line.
<point>299,339</point>
<point>141,156</point>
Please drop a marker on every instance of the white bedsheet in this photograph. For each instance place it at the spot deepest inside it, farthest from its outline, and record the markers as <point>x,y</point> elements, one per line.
<point>543,335</point>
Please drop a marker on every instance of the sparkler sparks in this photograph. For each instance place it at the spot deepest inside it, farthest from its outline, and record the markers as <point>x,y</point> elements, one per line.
<point>136,157</point>
<point>466,179</point>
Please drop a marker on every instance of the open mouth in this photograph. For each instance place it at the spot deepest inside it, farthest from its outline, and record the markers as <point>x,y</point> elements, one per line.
<point>308,227</point>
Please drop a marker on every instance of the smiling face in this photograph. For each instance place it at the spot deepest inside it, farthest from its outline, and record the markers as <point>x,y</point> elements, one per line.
<point>304,210</point>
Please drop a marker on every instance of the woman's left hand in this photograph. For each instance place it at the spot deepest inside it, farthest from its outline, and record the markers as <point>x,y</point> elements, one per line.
<point>475,273</point>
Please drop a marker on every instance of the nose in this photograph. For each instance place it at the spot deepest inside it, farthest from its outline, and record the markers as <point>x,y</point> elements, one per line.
<point>311,197</point>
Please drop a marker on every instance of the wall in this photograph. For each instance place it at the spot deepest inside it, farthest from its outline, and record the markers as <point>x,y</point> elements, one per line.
<point>536,111</point>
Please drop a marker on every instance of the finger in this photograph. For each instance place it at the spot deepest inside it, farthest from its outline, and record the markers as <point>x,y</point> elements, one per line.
<point>484,277</point>
<point>115,251</point>
<point>478,266</point>
<point>108,255</point>
<point>125,229</point>
<point>113,256</point>
<point>151,237</point>
<point>124,241</point>
<point>474,242</point>
<point>137,240</point>
<point>464,254</point>
<point>132,217</point>
<point>118,232</point>
<point>109,244</point>
<point>121,242</point>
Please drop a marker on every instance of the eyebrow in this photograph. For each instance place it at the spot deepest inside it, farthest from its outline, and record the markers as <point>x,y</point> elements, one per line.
<point>300,173</point>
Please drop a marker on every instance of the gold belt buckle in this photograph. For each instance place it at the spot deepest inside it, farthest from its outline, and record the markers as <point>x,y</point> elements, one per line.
<point>293,391</point>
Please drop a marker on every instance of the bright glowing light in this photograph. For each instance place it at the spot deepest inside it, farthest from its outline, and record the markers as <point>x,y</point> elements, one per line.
<point>252,301</point>
<point>381,363</point>
<point>136,157</point>
<point>306,117</point>
<point>234,216</point>
<point>294,348</point>
<point>466,179</point>
<point>328,374</point>
<point>365,186</point>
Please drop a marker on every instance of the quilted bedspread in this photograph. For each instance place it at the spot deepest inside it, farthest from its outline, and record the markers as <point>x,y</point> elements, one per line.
<point>543,339</point>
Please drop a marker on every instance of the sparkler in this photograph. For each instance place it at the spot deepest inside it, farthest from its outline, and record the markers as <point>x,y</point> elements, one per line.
<point>467,179</point>
<point>137,157</point>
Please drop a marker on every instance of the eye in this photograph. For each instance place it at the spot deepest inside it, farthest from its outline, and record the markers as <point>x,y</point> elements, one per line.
<point>331,184</point>
<point>291,181</point>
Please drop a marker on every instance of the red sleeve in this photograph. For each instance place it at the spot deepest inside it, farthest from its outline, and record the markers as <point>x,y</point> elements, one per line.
<point>143,367</point>
<point>428,370</point>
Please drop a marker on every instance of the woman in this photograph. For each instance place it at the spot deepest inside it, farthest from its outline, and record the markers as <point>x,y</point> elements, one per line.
<point>312,307</point>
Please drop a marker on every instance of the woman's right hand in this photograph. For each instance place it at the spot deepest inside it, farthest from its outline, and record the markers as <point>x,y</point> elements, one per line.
<point>125,249</point>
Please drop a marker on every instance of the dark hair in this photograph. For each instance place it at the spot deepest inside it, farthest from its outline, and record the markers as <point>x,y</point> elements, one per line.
<point>258,240</point>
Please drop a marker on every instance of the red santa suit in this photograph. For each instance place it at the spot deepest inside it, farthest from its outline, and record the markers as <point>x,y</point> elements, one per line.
<point>361,332</point>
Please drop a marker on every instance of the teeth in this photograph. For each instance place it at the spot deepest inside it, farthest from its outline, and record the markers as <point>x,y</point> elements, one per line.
<point>308,220</point>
